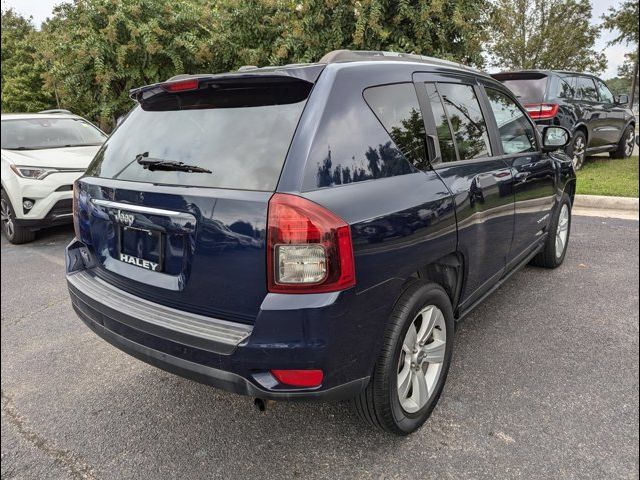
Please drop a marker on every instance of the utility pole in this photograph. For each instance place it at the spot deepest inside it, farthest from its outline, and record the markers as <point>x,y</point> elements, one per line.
<point>634,82</point>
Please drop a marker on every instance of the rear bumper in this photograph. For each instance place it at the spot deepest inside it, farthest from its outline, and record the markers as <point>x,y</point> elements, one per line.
<point>227,355</point>
<point>221,379</point>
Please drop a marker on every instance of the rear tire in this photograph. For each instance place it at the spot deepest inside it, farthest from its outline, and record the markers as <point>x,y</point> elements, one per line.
<point>625,145</point>
<point>578,149</point>
<point>555,247</point>
<point>14,233</point>
<point>380,404</point>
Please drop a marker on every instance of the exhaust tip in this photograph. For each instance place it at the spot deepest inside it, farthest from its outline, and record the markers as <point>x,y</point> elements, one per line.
<point>260,404</point>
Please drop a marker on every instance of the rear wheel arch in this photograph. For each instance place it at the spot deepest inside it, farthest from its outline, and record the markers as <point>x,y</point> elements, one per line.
<point>582,128</point>
<point>447,272</point>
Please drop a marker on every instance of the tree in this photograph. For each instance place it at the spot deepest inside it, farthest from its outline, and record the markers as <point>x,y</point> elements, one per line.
<point>263,32</point>
<point>96,51</point>
<point>544,34</point>
<point>92,52</point>
<point>624,19</point>
<point>21,79</point>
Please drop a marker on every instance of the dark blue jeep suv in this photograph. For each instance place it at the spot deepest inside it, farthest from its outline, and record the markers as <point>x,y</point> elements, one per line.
<point>315,231</point>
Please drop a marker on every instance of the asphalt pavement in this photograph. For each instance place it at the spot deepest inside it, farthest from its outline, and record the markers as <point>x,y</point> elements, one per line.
<point>544,384</point>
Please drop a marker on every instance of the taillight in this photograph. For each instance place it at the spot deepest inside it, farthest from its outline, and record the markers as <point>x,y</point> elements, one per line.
<point>542,111</point>
<point>181,85</point>
<point>309,248</point>
<point>74,209</point>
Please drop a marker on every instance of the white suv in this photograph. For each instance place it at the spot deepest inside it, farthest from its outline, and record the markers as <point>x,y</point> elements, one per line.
<point>42,155</point>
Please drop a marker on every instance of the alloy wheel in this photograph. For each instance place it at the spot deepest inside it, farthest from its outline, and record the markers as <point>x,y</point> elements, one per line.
<point>578,152</point>
<point>421,358</point>
<point>562,232</point>
<point>6,217</point>
<point>628,144</point>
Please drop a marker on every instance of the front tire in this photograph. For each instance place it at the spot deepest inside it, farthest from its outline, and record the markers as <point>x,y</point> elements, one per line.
<point>625,145</point>
<point>555,247</point>
<point>412,368</point>
<point>14,233</point>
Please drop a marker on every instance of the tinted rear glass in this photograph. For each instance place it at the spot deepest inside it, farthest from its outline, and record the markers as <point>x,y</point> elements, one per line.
<point>41,133</point>
<point>397,108</point>
<point>528,89</point>
<point>241,134</point>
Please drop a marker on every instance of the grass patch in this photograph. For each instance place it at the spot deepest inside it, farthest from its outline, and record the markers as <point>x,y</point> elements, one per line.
<point>605,176</point>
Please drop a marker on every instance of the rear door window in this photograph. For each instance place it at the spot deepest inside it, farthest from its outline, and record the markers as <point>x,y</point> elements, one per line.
<point>239,133</point>
<point>587,89</point>
<point>443,129</point>
<point>397,108</point>
<point>466,119</point>
<point>564,89</point>
<point>517,134</point>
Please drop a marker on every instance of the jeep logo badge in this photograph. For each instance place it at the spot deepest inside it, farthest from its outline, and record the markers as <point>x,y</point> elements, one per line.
<point>139,262</point>
<point>125,218</point>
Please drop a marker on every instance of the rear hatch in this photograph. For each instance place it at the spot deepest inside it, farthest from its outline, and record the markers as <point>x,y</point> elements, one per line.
<point>174,206</point>
<point>529,87</point>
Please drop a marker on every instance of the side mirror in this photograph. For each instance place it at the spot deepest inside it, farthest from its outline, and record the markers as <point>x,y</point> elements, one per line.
<point>555,138</point>
<point>622,99</point>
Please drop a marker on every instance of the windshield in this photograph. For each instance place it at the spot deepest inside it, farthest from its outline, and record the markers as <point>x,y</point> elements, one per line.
<point>41,133</point>
<point>527,89</point>
<point>236,140</point>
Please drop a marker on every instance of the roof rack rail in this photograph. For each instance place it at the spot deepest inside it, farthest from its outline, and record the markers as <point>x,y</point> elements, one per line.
<point>247,68</point>
<point>337,56</point>
<point>55,110</point>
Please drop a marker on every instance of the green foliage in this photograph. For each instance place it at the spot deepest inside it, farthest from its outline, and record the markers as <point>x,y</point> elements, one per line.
<point>544,34</point>
<point>92,52</point>
<point>97,50</point>
<point>21,78</point>
<point>624,18</point>
<point>260,32</point>
<point>622,83</point>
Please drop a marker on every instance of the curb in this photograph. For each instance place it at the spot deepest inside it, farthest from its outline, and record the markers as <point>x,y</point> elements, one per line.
<point>603,202</point>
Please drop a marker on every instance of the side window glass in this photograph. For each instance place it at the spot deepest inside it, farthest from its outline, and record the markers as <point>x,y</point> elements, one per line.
<point>573,82</point>
<point>565,90</point>
<point>445,138</point>
<point>516,132</point>
<point>397,108</point>
<point>587,89</point>
<point>604,93</point>
<point>467,122</point>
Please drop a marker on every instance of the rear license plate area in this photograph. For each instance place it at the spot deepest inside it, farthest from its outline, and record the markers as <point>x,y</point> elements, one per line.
<point>142,248</point>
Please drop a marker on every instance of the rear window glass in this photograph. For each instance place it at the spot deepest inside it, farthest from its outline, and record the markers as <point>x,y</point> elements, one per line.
<point>240,134</point>
<point>41,133</point>
<point>530,89</point>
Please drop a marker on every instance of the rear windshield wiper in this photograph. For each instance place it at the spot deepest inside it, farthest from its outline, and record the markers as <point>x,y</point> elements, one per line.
<point>153,164</point>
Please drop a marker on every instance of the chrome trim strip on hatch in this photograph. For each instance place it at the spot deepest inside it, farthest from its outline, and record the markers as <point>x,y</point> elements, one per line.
<point>140,209</point>
<point>220,336</point>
